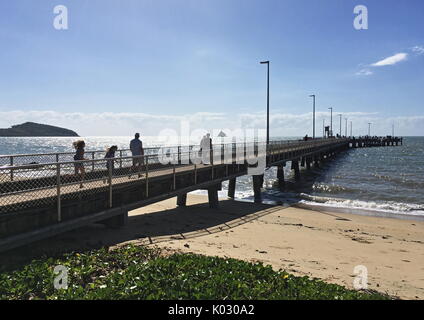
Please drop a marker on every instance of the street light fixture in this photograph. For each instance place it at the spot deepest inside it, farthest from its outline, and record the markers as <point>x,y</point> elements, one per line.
<point>313,117</point>
<point>331,122</point>
<point>267,104</point>
<point>340,115</point>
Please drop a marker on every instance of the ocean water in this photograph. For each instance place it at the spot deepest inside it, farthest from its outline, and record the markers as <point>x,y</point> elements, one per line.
<point>387,181</point>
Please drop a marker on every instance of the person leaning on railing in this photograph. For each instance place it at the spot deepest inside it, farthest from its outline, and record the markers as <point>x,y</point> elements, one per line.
<point>78,158</point>
<point>110,163</point>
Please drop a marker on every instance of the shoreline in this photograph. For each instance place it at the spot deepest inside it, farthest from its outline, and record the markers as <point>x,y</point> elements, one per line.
<point>304,242</point>
<point>359,211</point>
<point>317,206</point>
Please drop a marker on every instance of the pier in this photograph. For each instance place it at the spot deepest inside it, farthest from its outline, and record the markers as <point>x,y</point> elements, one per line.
<point>41,197</point>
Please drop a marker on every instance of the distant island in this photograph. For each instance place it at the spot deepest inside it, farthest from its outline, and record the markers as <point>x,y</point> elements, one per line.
<point>31,129</point>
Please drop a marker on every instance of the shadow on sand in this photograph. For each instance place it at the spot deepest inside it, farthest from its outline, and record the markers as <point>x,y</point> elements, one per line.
<point>145,227</point>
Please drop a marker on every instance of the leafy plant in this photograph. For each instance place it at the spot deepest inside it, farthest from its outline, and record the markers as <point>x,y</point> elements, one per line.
<point>136,272</point>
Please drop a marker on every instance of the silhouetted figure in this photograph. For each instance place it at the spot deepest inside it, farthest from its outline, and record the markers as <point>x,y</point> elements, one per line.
<point>79,156</point>
<point>137,151</point>
<point>206,149</point>
<point>110,163</point>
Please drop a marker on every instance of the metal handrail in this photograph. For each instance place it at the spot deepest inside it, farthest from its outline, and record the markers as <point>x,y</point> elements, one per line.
<point>215,147</point>
<point>64,183</point>
<point>22,155</point>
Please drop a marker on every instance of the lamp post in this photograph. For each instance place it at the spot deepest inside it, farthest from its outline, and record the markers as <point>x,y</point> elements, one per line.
<point>313,117</point>
<point>331,121</point>
<point>323,128</point>
<point>369,129</point>
<point>351,124</point>
<point>340,115</point>
<point>267,103</point>
<point>346,128</point>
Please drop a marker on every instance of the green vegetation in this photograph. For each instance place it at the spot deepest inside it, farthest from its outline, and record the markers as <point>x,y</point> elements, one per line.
<point>142,273</point>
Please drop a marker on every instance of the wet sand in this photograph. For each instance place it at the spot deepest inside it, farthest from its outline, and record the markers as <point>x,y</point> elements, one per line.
<point>304,242</point>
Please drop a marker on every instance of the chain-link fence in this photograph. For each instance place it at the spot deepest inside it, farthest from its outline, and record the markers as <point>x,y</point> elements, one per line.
<point>25,186</point>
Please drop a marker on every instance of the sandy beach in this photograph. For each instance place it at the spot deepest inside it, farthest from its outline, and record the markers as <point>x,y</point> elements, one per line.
<point>304,242</point>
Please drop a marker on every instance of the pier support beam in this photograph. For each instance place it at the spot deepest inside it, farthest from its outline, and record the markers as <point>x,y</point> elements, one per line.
<point>117,221</point>
<point>308,163</point>
<point>316,161</point>
<point>258,182</point>
<point>213,196</point>
<point>280,177</point>
<point>232,188</point>
<point>295,167</point>
<point>182,200</point>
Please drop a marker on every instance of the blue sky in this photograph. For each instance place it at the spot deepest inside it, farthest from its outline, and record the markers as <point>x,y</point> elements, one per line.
<point>131,64</point>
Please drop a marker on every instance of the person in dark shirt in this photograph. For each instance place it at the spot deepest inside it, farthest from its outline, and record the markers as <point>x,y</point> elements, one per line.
<point>79,156</point>
<point>110,163</point>
<point>110,154</point>
<point>137,151</point>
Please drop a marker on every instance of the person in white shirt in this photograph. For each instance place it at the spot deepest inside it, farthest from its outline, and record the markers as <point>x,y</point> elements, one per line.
<point>205,148</point>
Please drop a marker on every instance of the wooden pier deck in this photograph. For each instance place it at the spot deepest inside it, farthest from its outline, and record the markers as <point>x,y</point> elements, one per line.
<point>41,200</point>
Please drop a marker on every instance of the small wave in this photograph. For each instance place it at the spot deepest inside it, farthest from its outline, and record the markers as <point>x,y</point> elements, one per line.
<point>332,188</point>
<point>400,181</point>
<point>390,207</point>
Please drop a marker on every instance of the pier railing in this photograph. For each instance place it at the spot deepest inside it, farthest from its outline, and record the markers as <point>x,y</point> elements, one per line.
<point>24,186</point>
<point>14,160</point>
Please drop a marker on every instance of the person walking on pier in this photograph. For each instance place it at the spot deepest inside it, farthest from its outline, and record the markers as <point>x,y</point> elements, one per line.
<point>79,156</point>
<point>206,149</point>
<point>136,147</point>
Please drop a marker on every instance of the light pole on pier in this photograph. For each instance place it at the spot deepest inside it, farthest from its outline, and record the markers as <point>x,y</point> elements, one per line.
<point>369,129</point>
<point>351,124</point>
<point>313,116</point>
<point>267,103</point>
<point>340,115</point>
<point>331,121</point>
<point>393,130</point>
<point>323,128</point>
<point>346,128</point>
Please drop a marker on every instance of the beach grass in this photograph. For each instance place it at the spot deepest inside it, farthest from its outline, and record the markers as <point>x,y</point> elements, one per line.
<point>137,272</point>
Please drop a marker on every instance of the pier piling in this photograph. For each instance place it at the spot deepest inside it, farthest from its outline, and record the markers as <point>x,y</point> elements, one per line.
<point>258,182</point>
<point>295,167</point>
<point>182,200</point>
<point>213,196</point>
<point>232,188</point>
<point>280,177</point>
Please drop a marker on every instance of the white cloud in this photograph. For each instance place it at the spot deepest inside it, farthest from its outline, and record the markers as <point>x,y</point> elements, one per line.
<point>282,124</point>
<point>364,72</point>
<point>418,50</point>
<point>391,60</point>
